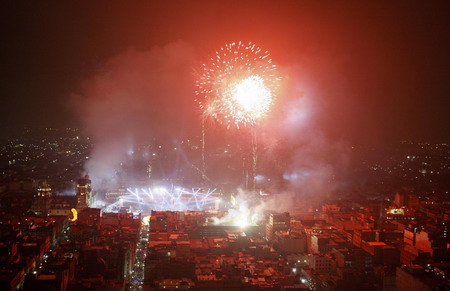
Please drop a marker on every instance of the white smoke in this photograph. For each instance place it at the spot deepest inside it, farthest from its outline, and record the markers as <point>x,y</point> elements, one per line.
<point>135,96</point>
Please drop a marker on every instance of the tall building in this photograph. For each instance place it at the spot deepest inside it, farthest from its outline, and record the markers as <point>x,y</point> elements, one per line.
<point>408,200</point>
<point>84,192</point>
<point>41,201</point>
<point>277,221</point>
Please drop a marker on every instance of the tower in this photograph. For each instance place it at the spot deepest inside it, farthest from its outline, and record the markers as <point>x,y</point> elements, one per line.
<point>84,192</point>
<point>41,201</point>
<point>277,222</point>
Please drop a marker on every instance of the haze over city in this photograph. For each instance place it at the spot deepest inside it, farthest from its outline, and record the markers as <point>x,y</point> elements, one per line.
<point>214,145</point>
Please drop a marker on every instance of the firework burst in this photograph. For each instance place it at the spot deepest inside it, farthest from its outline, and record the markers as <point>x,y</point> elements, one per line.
<point>237,85</point>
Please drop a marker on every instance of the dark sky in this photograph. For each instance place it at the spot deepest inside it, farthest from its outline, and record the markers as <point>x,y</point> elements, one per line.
<point>392,58</point>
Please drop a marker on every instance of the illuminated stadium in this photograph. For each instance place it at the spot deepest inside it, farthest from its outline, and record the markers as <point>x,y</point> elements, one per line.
<point>163,198</point>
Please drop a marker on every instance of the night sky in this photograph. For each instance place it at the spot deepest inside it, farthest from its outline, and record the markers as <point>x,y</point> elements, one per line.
<point>383,68</point>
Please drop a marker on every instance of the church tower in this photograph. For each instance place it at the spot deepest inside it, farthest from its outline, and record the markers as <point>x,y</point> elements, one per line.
<point>41,201</point>
<point>84,192</point>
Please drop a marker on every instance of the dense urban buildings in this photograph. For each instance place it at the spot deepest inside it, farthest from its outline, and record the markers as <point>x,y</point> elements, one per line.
<point>66,240</point>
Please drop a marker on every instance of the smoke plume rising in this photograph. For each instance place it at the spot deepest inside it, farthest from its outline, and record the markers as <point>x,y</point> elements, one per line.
<point>308,127</point>
<point>133,98</point>
<point>301,144</point>
<point>138,95</point>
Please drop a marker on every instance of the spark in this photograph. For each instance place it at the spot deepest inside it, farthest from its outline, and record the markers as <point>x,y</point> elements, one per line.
<point>237,86</point>
<point>252,96</point>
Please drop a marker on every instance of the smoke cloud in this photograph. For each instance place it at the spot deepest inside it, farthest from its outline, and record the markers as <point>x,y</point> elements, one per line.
<point>308,128</point>
<point>302,143</point>
<point>132,98</point>
<point>138,95</point>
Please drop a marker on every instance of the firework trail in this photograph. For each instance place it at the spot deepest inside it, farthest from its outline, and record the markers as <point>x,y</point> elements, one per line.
<point>237,87</point>
<point>203,149</point>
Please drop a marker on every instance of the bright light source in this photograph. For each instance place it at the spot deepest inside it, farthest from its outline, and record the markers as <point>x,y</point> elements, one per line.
<point>146,220</point>
<point>252,96</point>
